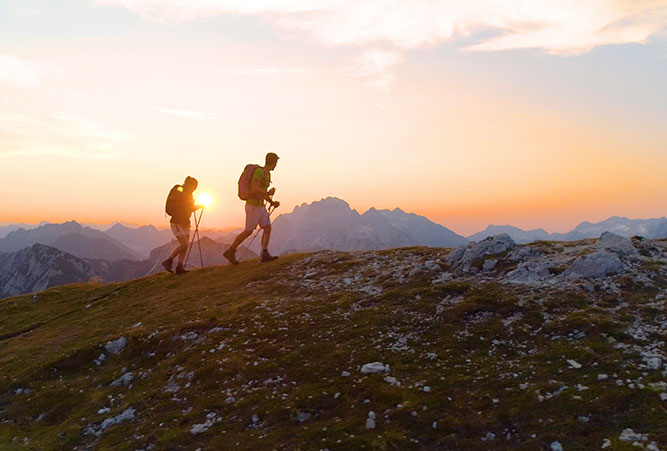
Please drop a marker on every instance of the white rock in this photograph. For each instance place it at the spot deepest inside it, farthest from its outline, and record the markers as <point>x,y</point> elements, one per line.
<point>426,389</point>
<point>345,374</point>
<point>125,379</point>
<point>556,446</point>
<point>392,380</point>
<point>606,443</point>
<point>116,346</point>
<point>663,396</point>
<point>370,421</point>
<point>602,377</point>
<point>374,367</point>
<point>628,435</point>
<point>574,364</point>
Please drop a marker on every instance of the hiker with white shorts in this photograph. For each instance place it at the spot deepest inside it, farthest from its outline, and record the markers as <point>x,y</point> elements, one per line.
<point>254,189</point>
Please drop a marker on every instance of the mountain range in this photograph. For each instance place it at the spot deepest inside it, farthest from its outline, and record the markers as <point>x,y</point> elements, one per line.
<point>51,254</point>
<point>648,228</point>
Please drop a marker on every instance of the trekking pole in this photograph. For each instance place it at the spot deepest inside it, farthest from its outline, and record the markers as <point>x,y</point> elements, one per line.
<point>196,233</point>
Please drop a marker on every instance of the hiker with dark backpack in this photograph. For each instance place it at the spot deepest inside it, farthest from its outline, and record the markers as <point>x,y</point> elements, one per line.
<point>254,189</point>
<point>180,206</point>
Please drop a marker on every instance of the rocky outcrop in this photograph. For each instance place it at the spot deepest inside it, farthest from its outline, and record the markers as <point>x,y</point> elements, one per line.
<point>39,267</point>
<point>476,256</point>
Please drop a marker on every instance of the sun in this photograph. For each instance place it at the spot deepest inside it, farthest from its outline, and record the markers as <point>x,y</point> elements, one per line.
<point>205,199</point>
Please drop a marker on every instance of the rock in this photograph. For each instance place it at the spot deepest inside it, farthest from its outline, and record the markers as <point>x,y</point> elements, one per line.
<point>556,446</point>
<point>302,416</point>
<point>116,346</point>
<point>392,380</point>
<point>230,400</point>
<point>125,379</point>
<point>374,367</point>
<point>370,421</point>
<point>345,374</point>
<point>530,272</point>
<point>128,414</point>
<point>456,254</point>
<point>574,364</point>
<point>596,266</point>
<point>489,265</point>
<point>415,271</point>
<point>617,244</point>
<point>628,435</point>
<point>462,259</point>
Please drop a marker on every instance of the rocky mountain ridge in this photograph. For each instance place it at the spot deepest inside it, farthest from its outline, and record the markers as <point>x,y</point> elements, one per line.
<point>492,345</point>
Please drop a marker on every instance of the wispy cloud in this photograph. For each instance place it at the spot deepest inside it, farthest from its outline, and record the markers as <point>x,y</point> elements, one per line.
<point>558,27</point>
<point>60,134</point>
<point>185,113</point>
<point>376,65</point>
<point>268,71</point>
<point>22,73</point>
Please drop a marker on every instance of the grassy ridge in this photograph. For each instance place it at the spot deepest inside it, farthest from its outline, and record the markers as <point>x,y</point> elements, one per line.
<point>260,351</point>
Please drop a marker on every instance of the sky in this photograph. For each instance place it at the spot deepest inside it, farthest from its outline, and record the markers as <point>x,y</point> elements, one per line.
<point>535,114</point>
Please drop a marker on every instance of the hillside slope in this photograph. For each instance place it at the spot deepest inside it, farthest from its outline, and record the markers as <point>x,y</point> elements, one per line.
<point>492,345</point>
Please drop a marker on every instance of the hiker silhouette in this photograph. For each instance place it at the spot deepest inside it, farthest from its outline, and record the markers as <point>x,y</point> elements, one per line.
<point>254,189</point>
<point>180,205</point>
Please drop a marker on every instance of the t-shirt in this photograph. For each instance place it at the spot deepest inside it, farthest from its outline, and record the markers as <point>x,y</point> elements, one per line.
<point>264,182</point>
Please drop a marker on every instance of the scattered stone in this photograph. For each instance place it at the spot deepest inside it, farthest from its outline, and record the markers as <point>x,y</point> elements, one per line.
<point>374,367</point>
<point>426,389</point>
<point>302,416</point>
<point>556,446</point>
<point>230,400</point>
<point>126,379</point>
<point>574,364</point>
<point>489,437</point>
<point>628,435</point>
<point>116,346</point>
<point>602,377</point>
<point>345,374</point>
<point>392,380</point>
<point>370,421</point>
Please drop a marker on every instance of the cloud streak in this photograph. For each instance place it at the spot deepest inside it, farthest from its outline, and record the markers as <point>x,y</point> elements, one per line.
<point>557,27</point>
<point>59,134</point>
<point>562,27</point>
<point>185,113</point>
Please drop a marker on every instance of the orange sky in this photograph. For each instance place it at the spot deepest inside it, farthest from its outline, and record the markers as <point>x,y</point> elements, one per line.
<point>102,112</point>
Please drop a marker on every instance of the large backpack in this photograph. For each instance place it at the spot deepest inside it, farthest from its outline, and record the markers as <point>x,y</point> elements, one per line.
<point>245,181</point>
<point>175,200</point>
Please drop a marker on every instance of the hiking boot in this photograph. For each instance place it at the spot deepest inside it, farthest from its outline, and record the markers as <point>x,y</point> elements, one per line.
<point>266,257</point>
<point>167,265</point>
<point>230,254</point>
<point>180,270</point>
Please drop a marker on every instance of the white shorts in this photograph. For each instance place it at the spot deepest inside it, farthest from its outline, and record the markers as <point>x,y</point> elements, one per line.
<point>256,216</point>
<point>180,230</point>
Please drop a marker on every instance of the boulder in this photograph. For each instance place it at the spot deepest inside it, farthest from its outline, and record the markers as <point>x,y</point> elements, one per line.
<point>530,272</point>
<point>617,244</point>
<point>463,258</point>
<point>595,266</point>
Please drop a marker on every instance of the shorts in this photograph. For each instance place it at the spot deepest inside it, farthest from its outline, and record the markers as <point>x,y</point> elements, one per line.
<point>180,230</point>
<point>256,216</point>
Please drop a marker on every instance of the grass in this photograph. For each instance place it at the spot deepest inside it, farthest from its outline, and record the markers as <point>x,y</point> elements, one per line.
<point>263,341</point>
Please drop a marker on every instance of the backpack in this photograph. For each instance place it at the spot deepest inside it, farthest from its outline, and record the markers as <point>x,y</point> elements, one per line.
<point>245,181</point>
<point>175,200</point>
